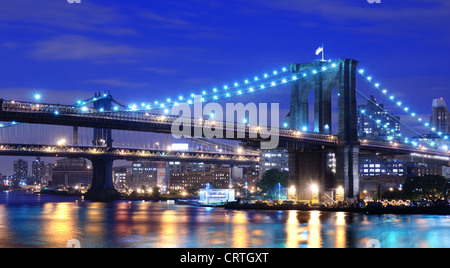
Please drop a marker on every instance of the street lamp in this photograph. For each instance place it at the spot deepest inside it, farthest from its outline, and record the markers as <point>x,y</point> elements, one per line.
<point>292,192</point>
<point>340,194</point>
<point>315,193</point>
<point>61,142</point>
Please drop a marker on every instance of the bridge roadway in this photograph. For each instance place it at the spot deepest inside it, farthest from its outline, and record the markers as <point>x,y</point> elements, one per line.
<point>68,115</point>
<point>127,154</point>
<point>37,113</point>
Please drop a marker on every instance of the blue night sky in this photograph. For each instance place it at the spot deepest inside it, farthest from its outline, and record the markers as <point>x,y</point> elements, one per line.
<point>152,50</point>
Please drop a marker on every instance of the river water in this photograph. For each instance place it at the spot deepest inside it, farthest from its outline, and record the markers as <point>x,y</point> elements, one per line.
<point>28,220</point>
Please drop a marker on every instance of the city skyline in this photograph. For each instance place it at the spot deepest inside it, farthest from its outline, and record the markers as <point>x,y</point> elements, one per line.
<point>224,125</point>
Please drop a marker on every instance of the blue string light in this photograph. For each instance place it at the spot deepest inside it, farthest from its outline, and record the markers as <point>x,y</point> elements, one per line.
<point>393,99</point>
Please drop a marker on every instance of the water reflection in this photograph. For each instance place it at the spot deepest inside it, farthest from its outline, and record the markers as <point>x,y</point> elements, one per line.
<point>6,233</point>
<point>51,223</point>
<point>59,223</point>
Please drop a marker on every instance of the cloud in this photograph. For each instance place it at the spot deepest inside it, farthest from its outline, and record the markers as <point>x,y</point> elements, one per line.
<point>385,18</point>
<point>9,45</point>
<point>77,47</point>
<point>50,16</point>
<point>160,70</point>
<point>165,21</point>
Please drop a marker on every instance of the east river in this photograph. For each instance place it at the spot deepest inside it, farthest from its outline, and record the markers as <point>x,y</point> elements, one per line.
<point>28,220</point>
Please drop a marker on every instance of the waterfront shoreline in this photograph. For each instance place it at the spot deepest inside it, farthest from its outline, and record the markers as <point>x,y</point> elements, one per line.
<point>236,206</point>
<point>375,211</point>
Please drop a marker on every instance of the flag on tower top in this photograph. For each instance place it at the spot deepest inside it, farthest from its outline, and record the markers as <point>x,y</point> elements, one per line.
<point>319,50</point>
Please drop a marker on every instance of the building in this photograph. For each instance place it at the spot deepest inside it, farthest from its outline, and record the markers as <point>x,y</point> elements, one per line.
<point>216,196</point>
<point>273,159</point>
<point>198,175</point>
<point>238,176</point>
<point>148,174</point>
<point>122,177</point>
<point>377,124</point>
<point>423,170</point>
<point>370,166</point>
<point>71,172</point>
<point>439,120</point>
<point>47,173</point>
<point>374,187</point>
<point>20,175</point>
<point>37,171</point>
<point>253,176</point>
<point>6,180</point>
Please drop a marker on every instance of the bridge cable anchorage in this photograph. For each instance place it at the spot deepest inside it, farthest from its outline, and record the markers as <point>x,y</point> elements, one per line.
<point>399,103</point>
<point>391,116</point>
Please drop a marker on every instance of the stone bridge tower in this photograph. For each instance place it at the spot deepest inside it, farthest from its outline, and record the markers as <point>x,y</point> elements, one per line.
<point>309,165</point>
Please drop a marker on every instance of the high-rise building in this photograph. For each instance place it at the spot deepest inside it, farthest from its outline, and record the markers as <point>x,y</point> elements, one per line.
<point>439,120</point>
<point>37,171</point>
<point>47,173</point>
<point>375,123</point>
<point>20,175</point>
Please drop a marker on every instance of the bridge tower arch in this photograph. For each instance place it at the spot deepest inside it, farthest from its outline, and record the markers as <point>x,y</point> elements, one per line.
<point>102,187</point>
<point>323,77</point>
<point>103,136</point>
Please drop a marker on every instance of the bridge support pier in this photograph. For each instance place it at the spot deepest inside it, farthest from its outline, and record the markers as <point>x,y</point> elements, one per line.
<point>311,171</point>
<point>308,172</point>
<point>102,188</point>
<point>347,170</point>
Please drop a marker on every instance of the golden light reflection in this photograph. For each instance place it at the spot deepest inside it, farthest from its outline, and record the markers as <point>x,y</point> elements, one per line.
<point>60,221</point>
<point>293,231</point>
<point>168,232</point>
<point>96,217</point>
<point>340,238</point>
<point>240,230</point>
<point>314,238</point>
<point>140,219</point>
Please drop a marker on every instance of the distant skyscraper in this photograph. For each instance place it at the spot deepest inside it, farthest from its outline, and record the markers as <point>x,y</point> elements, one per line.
<point>440,117</point>
<point>375,123</point>
<point>47,173</point>
<point>20,175</point>
<point>37,170</point>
